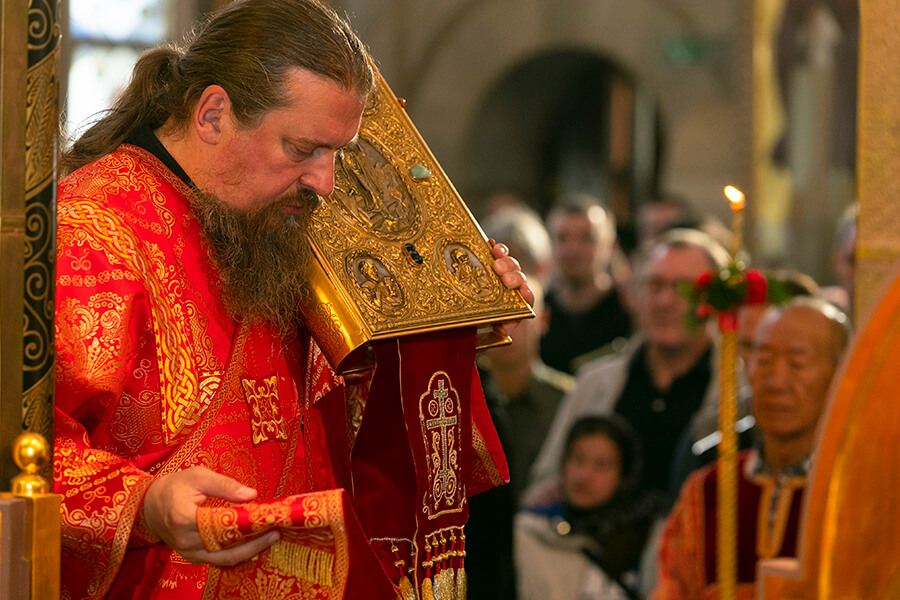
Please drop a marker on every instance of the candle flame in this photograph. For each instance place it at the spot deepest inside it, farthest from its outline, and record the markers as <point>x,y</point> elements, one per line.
<point>735,196</point>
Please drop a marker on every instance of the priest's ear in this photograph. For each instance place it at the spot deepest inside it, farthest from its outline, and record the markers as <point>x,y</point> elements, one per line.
<point>211,111</point>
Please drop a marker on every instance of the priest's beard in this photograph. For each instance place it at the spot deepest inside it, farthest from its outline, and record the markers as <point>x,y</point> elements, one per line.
<point>262,255</point>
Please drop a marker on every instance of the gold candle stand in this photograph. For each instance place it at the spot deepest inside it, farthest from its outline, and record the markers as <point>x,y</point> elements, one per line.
<point>726,557</point>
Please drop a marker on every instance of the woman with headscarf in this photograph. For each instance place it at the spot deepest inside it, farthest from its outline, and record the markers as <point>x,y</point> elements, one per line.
<point>584,538</point>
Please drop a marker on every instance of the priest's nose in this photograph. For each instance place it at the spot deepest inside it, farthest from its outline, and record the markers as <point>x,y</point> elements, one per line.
<point>319,177</point>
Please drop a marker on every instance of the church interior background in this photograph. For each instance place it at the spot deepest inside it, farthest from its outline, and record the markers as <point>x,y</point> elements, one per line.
<point>623,100</point>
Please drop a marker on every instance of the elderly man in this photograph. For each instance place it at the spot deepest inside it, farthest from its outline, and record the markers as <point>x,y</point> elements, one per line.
<point>182,377</point>
<point>664,379</point>
<point>797,349</point>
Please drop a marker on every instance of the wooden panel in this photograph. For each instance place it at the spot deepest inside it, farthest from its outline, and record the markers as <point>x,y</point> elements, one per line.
<point>879,148</point>
<point>848,547</point>
<point>14,570</point>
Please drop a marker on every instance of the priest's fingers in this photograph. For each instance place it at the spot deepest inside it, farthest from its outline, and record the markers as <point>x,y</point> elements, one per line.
<point>510,272</point>
<point>499,251</point>
<point>213,484</point>
<point>170,504</point>
<point>232,556</point>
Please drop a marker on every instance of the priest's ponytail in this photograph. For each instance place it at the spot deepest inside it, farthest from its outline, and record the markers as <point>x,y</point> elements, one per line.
<point>147,100</point>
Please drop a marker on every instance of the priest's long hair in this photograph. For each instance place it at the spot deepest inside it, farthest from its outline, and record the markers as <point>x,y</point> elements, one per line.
<point>247,48</point>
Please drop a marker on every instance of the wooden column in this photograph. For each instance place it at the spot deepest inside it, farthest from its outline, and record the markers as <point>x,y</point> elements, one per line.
<point>878,231</point>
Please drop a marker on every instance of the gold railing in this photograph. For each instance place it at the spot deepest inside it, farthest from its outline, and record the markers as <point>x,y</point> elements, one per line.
<point>30,527</point>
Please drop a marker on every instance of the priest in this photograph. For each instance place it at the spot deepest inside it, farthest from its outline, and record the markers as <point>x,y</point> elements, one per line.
<point>203,445</point>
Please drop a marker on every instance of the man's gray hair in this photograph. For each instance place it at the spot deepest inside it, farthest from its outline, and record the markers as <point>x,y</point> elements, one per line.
<point>522,230</point>
<point>686,238</point>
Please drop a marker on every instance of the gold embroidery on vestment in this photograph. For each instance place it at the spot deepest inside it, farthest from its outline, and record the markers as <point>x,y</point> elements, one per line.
<point>439,417</point>
<point>110,234</point>
<point>266,422</point>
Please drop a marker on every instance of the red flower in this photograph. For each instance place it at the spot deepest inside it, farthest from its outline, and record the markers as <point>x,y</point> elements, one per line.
<point>704,310</point>
<point>756,287</point>
<point>703,279</point>
<point>728,320</point>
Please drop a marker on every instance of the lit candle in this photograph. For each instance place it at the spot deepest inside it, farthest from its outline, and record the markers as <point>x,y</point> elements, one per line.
<point>736,198</point>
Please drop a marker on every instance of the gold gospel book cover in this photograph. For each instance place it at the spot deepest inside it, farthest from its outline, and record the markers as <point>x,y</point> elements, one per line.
<point>396,250</point>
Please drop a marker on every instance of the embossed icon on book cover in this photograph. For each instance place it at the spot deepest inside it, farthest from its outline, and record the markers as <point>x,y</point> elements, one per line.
<point>397,251</point>
<point>467,272</point>
<point>368,187</point>
<point>377,284</point>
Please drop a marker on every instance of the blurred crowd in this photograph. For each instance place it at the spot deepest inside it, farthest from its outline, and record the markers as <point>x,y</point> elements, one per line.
<point>607,407</point>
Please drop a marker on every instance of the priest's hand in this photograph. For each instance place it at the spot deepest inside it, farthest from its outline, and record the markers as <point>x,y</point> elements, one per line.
<point>510,272</point>
<point>170,511</point>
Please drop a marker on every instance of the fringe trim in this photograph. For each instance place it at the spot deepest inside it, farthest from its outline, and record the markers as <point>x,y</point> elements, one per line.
<point>445,585</point>
<point>445,577</point>
<point>303,562</point>
<point>449,584</point>
<point>462,584</point>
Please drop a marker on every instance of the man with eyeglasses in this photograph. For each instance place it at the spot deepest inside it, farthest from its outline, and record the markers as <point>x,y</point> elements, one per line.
<point>665,379</point>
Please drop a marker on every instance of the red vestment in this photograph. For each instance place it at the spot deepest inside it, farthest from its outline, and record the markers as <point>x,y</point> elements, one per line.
<point>687,554</point>
<point>153,376</point>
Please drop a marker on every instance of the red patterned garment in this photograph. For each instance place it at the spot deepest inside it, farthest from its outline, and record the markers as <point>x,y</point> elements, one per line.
<point>688,550</point>
<point>153,376</point>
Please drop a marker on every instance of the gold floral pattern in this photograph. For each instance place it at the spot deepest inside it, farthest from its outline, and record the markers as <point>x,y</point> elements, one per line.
<point>266,421</point>
<point>265,516</point>
<point>177,365</point>
<point>98,330</point>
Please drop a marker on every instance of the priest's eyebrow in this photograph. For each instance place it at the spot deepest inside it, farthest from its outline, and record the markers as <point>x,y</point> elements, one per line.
<point>305,141</point>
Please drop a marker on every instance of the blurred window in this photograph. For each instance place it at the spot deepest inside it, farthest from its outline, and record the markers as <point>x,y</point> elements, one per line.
<point>107,37</point>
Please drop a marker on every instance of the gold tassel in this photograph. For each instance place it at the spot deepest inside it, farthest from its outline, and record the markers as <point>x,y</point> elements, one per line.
<point>456,565</point>
<point>427,591</point>
<point>463,580</point>
<point>302,562</point>
<point>407,591</point>
<point>461,584</point>
<point>428,564</point>
<point>444,587</point>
